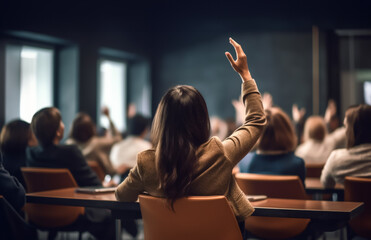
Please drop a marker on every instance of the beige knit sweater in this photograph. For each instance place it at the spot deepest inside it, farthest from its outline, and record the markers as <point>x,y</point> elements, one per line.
<point>213,175</point>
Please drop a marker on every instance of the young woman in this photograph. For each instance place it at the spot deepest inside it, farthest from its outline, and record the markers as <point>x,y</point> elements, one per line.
<point>275,150</point>
<point>93,147</point>
<point>184,161</point>
<point>355,160</point>
<point>15,137</point>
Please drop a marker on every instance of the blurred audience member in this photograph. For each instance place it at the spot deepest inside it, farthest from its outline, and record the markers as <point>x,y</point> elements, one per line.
<point>14,193</point>
<point>331,117</point>
<point>318,144</point>
<point>94,148</point>
<point>219,127</point>
<point>11,189</point>
<point>48,128</point>
<point>355,160</point>
<point>123,155</point>
<point>298,117</point>
<point>14,138</point>
<point>267,100</point>
<point>275,149</point>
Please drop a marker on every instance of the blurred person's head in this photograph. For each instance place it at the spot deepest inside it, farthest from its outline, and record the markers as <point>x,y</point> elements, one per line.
<point>137,125</point>
<point>279,134</point>
<point>15,136</point>
<point>357,122</point>
<point>315,128</point>
<point>83,128</point>
<point>47,126</point>
<point>181,124</point>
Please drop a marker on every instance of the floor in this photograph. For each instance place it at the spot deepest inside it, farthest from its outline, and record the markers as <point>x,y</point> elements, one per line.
<point>125,236</point>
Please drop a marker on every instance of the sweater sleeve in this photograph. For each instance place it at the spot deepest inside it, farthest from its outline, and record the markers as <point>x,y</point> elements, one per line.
<point>327,179</point>
<point>11,189</point>
<point>131,187</point>
<point>244,138</point>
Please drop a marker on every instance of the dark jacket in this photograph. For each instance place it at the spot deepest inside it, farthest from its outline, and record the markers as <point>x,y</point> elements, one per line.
<point>11,189</point>
<point>63,156</point>
<point>13,162</point>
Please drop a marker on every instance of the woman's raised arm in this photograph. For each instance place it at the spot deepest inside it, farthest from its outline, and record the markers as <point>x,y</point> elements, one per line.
<point>244,138</point>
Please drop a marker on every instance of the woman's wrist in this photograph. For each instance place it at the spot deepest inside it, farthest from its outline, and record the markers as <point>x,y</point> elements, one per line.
<point>246,76</point>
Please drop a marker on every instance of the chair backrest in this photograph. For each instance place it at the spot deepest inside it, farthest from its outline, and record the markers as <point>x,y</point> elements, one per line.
<point>197,218</point>
<point>44,179</point>
<point>314,170</point>
<point>12,225</point>
<point>274,186</point>
<point>357,189</point>
<point>97,169</point>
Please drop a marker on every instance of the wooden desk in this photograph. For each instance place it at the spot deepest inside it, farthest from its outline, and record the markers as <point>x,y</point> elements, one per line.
<point>337,213</point>
<point>326,216</point>
<point>314,185</point>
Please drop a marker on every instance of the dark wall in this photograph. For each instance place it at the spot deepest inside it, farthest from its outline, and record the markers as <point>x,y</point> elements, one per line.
<point>280,62</point>
<point>277,37</point>
<point>185,42</point>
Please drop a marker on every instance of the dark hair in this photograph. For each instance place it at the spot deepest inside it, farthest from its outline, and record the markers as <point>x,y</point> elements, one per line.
<point>14,136</point>
<point>279,133</point>
<point>83,128</point>
<point>45,124</point>
<point>137,124</point>
<point>180,126</point>
<point>358,129</point>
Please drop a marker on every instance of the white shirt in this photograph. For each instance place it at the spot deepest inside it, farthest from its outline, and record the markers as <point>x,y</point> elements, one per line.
<point>126,151</point>
<point>355,162</point>
<point>313,151</point>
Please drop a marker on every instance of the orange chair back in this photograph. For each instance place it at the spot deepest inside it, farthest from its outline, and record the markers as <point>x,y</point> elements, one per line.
<point>273,186</point>
<point>97,169</point>
<point>357,189</point>
<point>44,179</point>
<point>196,218</point>
<point>314,170</point>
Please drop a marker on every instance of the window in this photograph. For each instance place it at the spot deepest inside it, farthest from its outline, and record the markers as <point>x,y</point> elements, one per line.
<point>112,93</point>
<point>28,81</point>
<point>367,92</point>
<point>36,88</point>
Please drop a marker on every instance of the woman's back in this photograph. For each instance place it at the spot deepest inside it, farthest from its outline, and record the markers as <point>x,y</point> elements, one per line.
<point>184,160</point>
<point>277,164</point>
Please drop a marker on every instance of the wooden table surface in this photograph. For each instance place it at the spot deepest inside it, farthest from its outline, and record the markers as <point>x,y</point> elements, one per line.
<point>314,186</point>
<point>272,207</point>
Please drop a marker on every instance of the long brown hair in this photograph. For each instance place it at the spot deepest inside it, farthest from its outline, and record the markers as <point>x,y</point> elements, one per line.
<point>180,126</point>
<point>358,128</point>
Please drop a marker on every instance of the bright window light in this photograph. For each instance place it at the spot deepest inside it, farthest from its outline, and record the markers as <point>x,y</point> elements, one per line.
<point>113,93</point>
<point>367,92</point>
<point>36,81</point>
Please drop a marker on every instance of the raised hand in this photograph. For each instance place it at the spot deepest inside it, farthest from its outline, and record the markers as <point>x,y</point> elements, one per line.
<point>240,64</point>
<point>105,111</point>
<point>297,114</point>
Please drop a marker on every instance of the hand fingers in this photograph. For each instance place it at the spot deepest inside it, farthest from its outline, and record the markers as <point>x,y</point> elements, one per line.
<point>230,58</point>
<point>237,47</point>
